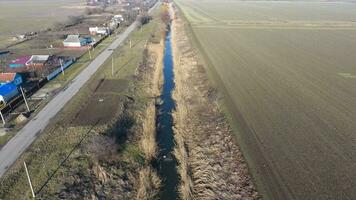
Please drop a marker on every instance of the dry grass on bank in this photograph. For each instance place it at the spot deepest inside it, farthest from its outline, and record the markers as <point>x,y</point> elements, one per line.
<point>149,184</point>
<point>180,152</point>
<point>148,139</point>
<point>211,165</point>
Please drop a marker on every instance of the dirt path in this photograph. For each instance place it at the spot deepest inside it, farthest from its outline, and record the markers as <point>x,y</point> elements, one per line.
<point>211,164</point>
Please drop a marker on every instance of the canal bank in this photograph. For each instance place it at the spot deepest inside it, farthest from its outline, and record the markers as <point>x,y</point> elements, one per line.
<point>210,163</point>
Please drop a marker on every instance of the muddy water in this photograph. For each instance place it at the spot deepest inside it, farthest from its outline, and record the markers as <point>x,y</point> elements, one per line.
<point>167,162</point>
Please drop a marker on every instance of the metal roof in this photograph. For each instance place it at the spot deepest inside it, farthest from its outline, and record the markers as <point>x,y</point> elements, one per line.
<point>39,57</point>
<point>7,88</point>
<point>72,38</point>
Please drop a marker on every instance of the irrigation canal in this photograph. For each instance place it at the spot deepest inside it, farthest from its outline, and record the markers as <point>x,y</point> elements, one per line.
<point>165,137</point>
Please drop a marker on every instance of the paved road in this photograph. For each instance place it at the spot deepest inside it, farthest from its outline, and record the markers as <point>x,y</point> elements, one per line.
<point>23,139</point>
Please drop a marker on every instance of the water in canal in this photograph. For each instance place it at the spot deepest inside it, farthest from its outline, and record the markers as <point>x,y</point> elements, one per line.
<point>167,162</point>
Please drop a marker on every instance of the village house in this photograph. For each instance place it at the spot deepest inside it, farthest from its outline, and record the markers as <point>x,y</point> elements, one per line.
<point>38,60</point>
<point>24,63</point>
<point>8,91</point>
<point>76,41</point>
<point>99,30</point>
<point>101,2</point>
<point>14,78</point>
<point>36,67</point>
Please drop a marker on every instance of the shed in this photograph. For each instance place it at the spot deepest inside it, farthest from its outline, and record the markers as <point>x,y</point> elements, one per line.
<point>7,92</point>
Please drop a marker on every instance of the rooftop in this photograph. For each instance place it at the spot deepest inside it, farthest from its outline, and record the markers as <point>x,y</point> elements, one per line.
<point>39,58</point>
<point>72,38</point>
<point>7,88</point>
<point>7,77</point>
<point>21,60</point>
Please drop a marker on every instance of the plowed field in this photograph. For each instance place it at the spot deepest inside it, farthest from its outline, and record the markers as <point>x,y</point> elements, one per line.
<point>288,74</point>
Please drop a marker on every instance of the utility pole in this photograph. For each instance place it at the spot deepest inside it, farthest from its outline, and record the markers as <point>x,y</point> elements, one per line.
<point>89,54</point>
<point>60,61</point>
<point>29,180</point>
<point>2,118</point>
<point>24,98</point>
<point>112,65</point>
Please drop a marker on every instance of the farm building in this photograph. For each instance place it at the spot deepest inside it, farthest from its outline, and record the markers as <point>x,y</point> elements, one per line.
<point>7,92</point>
<point>14,78</point>
<point>99,30</point>
<point>76,41</point>
<point>19,62</point>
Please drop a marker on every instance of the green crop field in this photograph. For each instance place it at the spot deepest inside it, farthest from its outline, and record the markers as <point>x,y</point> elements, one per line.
<point>20,16</point>
<point>288,74</point>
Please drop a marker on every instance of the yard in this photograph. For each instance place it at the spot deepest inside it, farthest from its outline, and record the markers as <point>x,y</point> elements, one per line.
<point>105,97</point>
<point>40,44</point>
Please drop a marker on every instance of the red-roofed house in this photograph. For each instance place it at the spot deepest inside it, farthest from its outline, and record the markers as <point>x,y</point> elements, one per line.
<point>14,78</point>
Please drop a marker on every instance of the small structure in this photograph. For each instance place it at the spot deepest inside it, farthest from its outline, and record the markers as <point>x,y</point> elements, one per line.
<point>14,78</point>
<point>74,41</point>
<point>20,37</point>
<point>38,60</point>
<point>119,18</point>
<point>4,53</point>
<point>8,91</point>
<point>19,62</point>
<point>99,30</point>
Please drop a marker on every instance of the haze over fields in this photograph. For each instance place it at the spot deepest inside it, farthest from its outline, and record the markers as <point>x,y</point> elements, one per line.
<point>20,16</point>
<point>288,72</point>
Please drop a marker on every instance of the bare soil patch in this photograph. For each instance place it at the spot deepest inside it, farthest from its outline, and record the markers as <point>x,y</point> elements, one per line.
<point>111,86</point>
<point>99,107</point>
